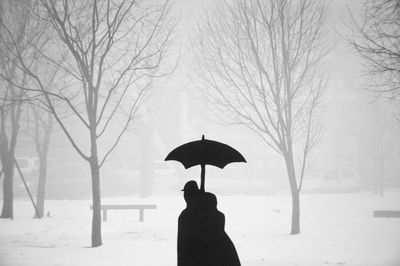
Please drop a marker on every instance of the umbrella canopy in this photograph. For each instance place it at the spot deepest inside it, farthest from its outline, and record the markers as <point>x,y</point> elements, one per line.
<point>202,152</point>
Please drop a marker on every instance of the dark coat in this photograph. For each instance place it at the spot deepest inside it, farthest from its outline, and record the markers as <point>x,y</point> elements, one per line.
<point>202,240</point>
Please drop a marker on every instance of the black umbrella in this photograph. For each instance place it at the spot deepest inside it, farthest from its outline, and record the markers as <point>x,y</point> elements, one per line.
<point>202,152</point>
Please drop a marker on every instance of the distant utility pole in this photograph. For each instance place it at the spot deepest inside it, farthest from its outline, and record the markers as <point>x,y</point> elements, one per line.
<point>147,159</point>
<point>379,178</point>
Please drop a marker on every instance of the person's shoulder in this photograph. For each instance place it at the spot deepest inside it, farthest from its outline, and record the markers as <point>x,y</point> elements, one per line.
<point>183,213</point>
<point>188,212</point>
<point>209,195</point>
<point>222,217</point>
<point>184,217</point>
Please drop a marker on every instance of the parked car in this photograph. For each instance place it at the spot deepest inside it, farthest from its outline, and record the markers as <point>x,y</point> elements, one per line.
<point>130,174</point>
<point>127,179</point>
<point>26,165</point>
<point>334,181</point>
<point>51,164</point>
<point>29,171</point>
<point>234,179</point>
<point>69,181</point>
<point>163,170</point>
<point>224,186</point>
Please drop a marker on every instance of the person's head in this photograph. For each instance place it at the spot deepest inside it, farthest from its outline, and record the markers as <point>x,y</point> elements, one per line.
<point>190,191</point>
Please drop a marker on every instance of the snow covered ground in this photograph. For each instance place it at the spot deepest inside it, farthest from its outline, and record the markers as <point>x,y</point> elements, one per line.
<point>337,229</point>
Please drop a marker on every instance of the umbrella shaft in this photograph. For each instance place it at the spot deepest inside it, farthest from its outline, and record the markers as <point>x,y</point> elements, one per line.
<point>203,177</point>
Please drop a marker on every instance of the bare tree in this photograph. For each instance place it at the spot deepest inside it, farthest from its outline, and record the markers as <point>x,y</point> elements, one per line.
<point>10,114</point>
<point>40,123</point>
<point>109,52</point>
<point>260,66</point>
<point>11,99</point>
<point>43,127</point>
<point>376,38</point>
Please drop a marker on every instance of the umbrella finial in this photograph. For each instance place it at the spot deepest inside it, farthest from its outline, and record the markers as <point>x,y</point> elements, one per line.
<point>202,138</point>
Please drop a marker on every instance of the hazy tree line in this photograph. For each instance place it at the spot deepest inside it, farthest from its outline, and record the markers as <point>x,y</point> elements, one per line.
<point>375,37</point>
<point>259,64</point>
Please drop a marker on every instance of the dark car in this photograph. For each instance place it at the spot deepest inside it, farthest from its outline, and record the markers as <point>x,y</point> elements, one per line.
<point>338,180</point>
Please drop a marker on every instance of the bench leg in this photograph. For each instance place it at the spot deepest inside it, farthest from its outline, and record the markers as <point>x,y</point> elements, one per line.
<point>141,215</point>
<point>104,215</point>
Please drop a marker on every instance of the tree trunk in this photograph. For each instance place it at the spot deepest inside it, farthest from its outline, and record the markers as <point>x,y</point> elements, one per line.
<point>295,213</point>
<point>8,188</point>
<point>96,197</point>
<point>42,149</point>
<point>96,221</point>
<point>40,195</point>
<point>295,194</point>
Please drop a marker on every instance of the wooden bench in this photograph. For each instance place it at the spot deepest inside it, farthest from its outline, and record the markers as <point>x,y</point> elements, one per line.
<point>386,214</point>
<point>140,207</point>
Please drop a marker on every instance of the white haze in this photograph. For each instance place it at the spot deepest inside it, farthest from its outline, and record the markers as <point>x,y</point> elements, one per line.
<point>355,121</point>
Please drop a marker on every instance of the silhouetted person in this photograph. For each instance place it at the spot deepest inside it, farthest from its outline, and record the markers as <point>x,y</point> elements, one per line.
<point>202,240</point>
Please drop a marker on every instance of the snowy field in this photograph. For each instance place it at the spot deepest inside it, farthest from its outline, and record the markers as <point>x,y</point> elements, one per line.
<point>337,229</point>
